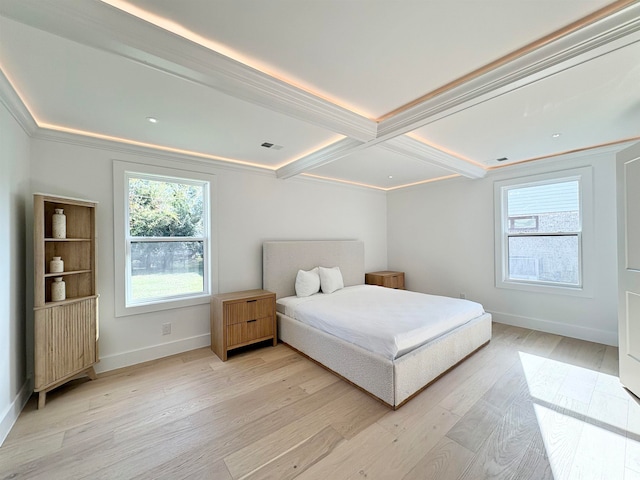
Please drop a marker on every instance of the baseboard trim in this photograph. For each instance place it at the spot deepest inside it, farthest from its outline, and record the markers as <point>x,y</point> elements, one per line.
<point>574,331</point>
<point>12,412</point>
<point>133,357</point>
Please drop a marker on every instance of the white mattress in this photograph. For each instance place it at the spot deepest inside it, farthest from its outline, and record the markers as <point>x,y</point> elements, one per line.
<point>382,320</point>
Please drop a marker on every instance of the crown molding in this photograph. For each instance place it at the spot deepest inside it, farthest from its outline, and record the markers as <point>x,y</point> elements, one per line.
<point>156,152</point>
<point>416,149</point>
<point>106,28</point>
<point>598,149</point>
<point>307,177</point>
<point>325,155</point>
<point>593,40</point>
<point>16,107</point>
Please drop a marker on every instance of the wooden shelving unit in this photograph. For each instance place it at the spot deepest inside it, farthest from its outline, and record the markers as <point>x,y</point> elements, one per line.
<point>66,332</point>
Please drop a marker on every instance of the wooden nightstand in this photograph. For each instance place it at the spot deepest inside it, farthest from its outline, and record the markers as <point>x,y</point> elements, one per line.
<point>242,318</point>
<point>385,279</point>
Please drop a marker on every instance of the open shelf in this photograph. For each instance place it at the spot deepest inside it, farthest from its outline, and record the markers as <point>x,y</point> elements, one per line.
<point>62,274</point>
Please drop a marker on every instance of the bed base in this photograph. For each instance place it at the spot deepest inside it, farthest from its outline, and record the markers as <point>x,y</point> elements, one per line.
<point>391,382</point>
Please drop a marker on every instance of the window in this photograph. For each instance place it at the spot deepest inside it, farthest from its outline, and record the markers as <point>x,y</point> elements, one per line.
<point>166,238</point>
<point>162,238</point>
<point>540,228</point>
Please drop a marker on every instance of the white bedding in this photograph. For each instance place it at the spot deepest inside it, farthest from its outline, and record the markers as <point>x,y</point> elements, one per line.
<point>382,320</point>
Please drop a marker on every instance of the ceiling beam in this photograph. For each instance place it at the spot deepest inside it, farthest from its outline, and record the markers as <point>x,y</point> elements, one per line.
<point>325,155</point>
<point>416,149</point>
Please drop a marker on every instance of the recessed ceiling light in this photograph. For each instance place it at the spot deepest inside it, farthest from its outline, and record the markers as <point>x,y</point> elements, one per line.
<point>390,176</point>
<point>152,119</point>
<point>556,135</point>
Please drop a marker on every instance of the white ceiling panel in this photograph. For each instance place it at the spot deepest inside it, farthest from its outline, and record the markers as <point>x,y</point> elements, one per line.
<point>591,104</point>
<point>375,165</point>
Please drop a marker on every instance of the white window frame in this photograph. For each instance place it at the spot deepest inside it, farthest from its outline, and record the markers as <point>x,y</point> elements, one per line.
<point>585,235</point>
<point>122,171</point>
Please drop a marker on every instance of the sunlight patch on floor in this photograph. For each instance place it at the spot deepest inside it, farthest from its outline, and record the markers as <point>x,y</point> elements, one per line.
<point>590,424</point>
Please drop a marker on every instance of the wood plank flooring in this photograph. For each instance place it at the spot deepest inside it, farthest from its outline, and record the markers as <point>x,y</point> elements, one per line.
<point>530,405</point>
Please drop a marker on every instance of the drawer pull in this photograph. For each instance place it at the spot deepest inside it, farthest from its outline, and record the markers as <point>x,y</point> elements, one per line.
<point>251,321</point>
<point>252,301</point>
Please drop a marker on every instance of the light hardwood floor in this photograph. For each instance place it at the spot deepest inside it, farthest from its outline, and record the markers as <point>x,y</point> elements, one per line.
<point>530,405</point>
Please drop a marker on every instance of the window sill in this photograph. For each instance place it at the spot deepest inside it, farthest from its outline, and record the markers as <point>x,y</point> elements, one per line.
<point>162,305</point>
<point>546,289</point>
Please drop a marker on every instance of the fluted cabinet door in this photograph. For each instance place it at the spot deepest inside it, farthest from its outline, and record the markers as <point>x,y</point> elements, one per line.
<point>66,341</point>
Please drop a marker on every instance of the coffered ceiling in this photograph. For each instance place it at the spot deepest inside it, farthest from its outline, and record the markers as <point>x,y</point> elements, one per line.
<point>381,93</point>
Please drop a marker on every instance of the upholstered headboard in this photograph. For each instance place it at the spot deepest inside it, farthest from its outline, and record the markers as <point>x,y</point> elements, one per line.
<point>282,260</point>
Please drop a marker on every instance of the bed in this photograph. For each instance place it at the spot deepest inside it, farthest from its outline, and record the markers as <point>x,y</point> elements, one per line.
<point>391,377</point>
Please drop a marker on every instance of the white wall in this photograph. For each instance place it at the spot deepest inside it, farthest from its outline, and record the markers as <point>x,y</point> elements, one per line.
<point>14,241</point>
<point>251,208</point>
<point>442,235</point>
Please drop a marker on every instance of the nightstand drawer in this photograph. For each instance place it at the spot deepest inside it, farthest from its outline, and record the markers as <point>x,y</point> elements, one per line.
<point>244,332</point>
<point>394,281</point>
<point>387,279</point>
<point>243,311</point>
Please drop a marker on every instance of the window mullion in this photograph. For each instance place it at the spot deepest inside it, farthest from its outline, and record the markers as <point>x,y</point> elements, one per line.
<point>539,234</point>
<point>166,239</point>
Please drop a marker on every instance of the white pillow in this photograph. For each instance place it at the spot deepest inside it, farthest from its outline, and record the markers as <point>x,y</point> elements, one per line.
<point>307,282</point>
<point>331,279</point>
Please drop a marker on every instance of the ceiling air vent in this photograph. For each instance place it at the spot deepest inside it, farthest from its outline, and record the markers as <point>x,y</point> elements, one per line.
<point>501,159</point>
<point>272,146</point>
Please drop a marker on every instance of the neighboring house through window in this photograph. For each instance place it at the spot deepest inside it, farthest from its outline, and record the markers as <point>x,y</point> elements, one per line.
<point>543,224</point>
